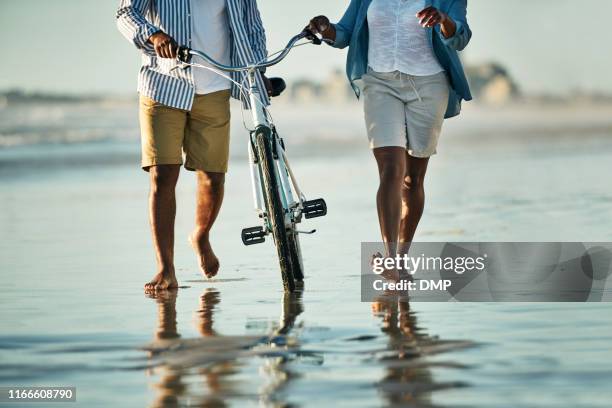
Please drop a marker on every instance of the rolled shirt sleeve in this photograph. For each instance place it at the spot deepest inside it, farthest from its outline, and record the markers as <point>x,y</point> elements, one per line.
<point>463,33</point>
<point>343,38</point>
<point>134,26</point>
<point>460,39</point>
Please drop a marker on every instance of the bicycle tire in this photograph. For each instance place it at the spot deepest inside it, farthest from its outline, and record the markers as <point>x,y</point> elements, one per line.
<point>274,207</point>
<point>296,257</point>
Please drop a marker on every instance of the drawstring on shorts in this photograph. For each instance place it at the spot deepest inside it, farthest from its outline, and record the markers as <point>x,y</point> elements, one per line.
<point>412,83</point>
<point>416,91</point>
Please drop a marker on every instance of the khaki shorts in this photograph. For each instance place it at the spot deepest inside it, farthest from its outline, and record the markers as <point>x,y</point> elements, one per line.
<point>202,133</point>
<point>405,110</point>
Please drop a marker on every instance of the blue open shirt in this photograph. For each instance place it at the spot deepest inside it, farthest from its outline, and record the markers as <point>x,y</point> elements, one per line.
<point>352,31</point>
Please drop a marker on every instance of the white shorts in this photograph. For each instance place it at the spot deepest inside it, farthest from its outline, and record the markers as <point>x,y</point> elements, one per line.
<point>405,110</point>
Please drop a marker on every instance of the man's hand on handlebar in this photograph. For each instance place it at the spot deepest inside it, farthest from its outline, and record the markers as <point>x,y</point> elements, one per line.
<point>321,25</point>
<point>164,45</point>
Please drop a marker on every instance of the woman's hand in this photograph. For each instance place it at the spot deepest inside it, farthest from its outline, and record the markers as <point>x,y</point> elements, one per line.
<point>321,25</point>
<point>431,17</point>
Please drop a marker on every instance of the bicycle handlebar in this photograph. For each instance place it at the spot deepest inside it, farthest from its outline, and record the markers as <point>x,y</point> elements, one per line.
<point>184,55</point>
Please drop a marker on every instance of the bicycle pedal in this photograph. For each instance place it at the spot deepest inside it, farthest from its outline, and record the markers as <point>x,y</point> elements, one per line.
<point>314,208</point>
<point>253,235</point>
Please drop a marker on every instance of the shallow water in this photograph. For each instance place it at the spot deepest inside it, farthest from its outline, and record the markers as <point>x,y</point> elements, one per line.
<point>75,251</point>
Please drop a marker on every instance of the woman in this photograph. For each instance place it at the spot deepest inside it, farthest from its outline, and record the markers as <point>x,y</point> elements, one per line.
<point>404,52</point>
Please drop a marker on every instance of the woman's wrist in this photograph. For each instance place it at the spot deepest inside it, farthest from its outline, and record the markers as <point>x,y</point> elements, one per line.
<point>448,28</point>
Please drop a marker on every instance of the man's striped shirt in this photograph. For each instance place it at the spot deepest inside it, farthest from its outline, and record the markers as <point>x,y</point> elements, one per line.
<point>137,20</point>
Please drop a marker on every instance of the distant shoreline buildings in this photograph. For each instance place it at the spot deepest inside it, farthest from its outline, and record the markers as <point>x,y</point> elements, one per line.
<point>491,84</point>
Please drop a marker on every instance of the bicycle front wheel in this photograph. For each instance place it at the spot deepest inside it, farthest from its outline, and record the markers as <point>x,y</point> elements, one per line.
<point>274,206</point>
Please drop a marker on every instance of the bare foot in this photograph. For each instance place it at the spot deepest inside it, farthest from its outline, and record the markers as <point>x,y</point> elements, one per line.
<point>209,263</point>
<point>162,281</point>
<point>390,274</point>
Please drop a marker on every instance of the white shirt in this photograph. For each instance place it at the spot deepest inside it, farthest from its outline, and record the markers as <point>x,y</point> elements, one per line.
<point>210,34</point>
<point>397,41</point>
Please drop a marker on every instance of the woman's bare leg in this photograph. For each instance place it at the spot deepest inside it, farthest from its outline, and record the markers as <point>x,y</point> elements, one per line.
<point>413,199</point>
<point>392,170</point>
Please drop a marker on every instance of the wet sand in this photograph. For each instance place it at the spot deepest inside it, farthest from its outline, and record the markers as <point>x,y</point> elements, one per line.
<point>75,252</point>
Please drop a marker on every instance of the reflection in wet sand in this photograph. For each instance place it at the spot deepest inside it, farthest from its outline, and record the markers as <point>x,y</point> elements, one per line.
<point>205,315</point>
<point>216,369</point>
<point>278,367</point>
<point>170,386</point>
<point>292,308</point>
<point>214,385</point>
<point>215,358</point>
<point>408,380</point>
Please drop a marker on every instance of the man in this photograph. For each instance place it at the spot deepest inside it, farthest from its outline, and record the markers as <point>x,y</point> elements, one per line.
<point>184,109</point>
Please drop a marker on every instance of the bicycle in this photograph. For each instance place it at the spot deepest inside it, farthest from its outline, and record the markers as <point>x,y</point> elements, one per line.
<point>278,200</point>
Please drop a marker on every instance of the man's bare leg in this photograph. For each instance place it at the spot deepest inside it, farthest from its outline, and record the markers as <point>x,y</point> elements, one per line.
<point>413,200</point>
<point>392,170</point>
<point>162,211</point>
<point>209,200</point>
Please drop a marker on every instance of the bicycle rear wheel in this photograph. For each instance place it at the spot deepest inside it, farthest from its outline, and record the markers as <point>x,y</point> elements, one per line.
<point>274,206</point>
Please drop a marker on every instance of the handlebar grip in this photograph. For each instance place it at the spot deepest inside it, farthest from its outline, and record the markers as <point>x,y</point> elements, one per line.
<point>311,36</point>
<point>184,54</point>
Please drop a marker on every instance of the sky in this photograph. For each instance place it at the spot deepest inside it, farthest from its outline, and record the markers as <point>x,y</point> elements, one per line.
<point>72,46</point>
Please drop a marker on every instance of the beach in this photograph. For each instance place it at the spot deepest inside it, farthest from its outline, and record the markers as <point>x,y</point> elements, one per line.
<point>76,251</point>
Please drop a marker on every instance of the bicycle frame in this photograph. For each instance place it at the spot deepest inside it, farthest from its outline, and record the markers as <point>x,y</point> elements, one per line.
<point>288,183</point>
<point>289,191</point>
